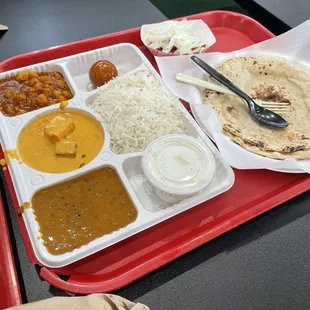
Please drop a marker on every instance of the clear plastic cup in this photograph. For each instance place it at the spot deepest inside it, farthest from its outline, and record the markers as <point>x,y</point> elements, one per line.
<point>177,167</point>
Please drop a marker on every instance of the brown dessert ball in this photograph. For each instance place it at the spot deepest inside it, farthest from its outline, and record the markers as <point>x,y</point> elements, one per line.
<point>102,72</point>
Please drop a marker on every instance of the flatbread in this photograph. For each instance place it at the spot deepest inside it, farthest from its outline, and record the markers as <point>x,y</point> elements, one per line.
<point>270,79</point>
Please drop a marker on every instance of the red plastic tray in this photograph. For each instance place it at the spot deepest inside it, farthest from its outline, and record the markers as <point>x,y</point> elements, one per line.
<point>253,193</point>
<point>9,288</point>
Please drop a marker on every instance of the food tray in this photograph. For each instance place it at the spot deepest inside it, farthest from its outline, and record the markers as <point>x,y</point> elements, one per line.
<point>253,193</point>
<point>129,60</point>
<point>9,287</point>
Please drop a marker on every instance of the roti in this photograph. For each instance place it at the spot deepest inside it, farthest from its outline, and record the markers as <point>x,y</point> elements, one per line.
<point>266,78</point>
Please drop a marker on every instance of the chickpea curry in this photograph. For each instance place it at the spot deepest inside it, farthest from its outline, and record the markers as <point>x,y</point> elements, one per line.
<point>73,213</point>
<point>29,90</point>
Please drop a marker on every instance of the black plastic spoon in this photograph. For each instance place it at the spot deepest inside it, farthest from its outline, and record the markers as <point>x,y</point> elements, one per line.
<point>260,114</point>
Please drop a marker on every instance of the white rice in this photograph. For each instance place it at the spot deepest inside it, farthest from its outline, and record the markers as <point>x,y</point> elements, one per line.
<point>137,109</point>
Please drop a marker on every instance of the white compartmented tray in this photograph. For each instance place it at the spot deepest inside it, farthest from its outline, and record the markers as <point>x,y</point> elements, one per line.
<point>151,210</point>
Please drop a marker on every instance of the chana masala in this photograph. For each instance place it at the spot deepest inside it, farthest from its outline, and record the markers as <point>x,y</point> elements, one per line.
<point>30,90</point>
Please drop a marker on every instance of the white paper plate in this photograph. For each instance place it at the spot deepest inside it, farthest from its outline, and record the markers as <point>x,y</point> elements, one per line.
<point>292,45</point>
<point>202,123</point>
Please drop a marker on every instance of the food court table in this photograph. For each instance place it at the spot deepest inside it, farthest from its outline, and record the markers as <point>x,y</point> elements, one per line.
<point>263,264</point>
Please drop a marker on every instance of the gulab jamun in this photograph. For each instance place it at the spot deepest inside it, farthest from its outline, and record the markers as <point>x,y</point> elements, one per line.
<point>102,72</point>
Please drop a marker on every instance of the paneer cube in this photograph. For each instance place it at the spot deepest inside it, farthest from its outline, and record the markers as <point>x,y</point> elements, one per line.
<point>58,128</point>
<point>66,148</point>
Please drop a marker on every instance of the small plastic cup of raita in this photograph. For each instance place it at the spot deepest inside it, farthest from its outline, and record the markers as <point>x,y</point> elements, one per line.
<point>177,167</point>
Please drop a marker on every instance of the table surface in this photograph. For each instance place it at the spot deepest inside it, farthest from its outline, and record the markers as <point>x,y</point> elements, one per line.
<point>292,13</point>
<point>263,264</point>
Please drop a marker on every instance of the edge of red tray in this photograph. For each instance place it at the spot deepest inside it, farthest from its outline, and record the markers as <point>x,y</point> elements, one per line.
<point>11,295</point>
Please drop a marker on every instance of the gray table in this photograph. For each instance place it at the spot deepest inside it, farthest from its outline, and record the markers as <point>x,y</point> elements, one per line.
<point>38,24</point>
<point>290,12</point>
<point>263,264</point>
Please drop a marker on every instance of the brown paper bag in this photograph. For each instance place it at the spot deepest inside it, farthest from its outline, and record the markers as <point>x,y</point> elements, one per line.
<point>91,302</point>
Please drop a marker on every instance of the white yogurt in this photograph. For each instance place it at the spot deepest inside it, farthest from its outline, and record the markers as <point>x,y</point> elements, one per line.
<point>177,167</point>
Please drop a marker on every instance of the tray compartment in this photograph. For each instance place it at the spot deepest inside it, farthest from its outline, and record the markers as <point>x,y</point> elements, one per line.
<point>221,182</point>
<point>123,56</point>
<point>94,246</point>
<point>28,178</point>
<point>43,67</point>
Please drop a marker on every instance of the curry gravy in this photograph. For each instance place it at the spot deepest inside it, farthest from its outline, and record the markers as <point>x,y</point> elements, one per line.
<point>29,90</point>
<point>76,212</point>
<point>38,152</point>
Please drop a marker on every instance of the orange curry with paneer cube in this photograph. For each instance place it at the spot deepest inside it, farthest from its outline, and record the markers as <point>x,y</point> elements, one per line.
<point>60,141</point>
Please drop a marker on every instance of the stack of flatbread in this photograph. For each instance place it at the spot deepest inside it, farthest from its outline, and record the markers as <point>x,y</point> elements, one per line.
<point>273,79</point>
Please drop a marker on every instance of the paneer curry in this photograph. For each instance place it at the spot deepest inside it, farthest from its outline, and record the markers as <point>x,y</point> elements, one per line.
<point>60,142</point>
